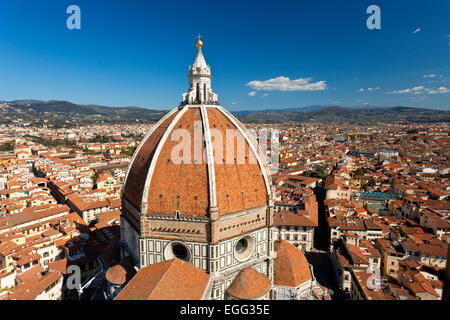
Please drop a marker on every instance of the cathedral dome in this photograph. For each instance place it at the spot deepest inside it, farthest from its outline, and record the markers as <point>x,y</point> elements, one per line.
<point>249,284</point>
<point>198,190</point>
<point>116,275</point>
<point>198,158</point>
<point>160,183</point>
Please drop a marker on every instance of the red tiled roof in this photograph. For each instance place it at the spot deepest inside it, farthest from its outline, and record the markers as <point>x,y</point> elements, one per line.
<point>59,265</point>
<point>288,218</point>
<point>290,266</point>
<point>116,274</point>
<point>249,284</point>
<point>174,279</point>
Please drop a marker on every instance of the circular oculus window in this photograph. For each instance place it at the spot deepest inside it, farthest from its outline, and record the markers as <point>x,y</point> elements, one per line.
<point>244,248</point>
<point>177,250</point>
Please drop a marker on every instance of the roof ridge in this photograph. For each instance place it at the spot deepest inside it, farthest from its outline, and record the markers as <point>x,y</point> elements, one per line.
<point>164,274</point>
<point>288,251</point>
<point>291,255</point>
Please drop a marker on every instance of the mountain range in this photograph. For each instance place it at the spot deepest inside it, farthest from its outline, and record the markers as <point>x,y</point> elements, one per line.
<point>36,111</point>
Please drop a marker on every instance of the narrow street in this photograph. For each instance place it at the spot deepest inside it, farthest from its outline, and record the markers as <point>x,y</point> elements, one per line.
<point>320,259</point>
<point>321,237</point>
<point>325,273</point>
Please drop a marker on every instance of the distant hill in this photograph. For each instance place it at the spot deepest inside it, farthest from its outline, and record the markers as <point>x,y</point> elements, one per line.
<point>306,108</point>
<point>36,110</point>
<point>64,112</point>
<point>357,115</point>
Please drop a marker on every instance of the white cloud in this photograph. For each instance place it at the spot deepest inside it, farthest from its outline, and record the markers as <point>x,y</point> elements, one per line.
<point>265,95</point>
<point>439,90</point>
<point>429,75</point>
<point>285,84</point>
<point>410,90</point>
<point>422,89</point>
<point>233,103</point>
<point>368,89</point>
<point>252,93</point>
<point>417,30</point>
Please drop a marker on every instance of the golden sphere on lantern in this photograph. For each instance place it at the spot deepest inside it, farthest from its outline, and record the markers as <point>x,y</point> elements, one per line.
<point>199,42</point>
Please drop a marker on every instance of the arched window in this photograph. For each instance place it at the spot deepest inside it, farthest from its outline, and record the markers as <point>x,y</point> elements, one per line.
<point>197,99</point>
<point>204,93</point>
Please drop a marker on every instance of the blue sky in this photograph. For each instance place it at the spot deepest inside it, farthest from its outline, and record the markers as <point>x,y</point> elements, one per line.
<point>138,52</point>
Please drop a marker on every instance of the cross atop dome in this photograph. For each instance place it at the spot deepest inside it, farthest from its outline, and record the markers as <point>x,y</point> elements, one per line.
<point>199,91</point>
<point>199,42</point>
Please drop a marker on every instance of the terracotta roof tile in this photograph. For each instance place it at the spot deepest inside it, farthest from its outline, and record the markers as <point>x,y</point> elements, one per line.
<point>116,274</point>
<point>185,186</point>
<point>249,284</point>
<point>290,266</point>
<point>173,279</point>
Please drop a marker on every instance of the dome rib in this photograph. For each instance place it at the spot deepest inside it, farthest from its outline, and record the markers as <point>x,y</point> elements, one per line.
<point>156,156</point>
<point>261,161</point>
<point>179,185</point>
<point>133,184</point>
<point>209,158</point>
<point>149,133</point>
<point>239,185</point>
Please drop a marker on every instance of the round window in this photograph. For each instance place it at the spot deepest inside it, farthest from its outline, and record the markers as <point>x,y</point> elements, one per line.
<point>241,245</point>
<point>244,248</point>
<point>177,250</point>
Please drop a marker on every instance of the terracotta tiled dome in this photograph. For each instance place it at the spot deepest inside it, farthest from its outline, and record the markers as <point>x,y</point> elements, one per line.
<point>156,184</point>
<point>291,268</point>
<point>116,274</point>
<point>249,284</point>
